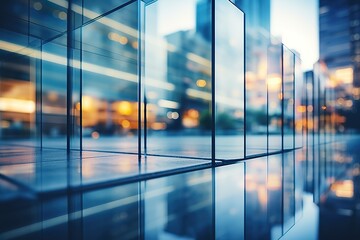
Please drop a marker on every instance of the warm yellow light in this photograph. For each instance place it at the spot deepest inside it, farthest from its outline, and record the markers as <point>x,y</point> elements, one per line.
<point>301,109</point>
<point>125,123</point>
<point>124,108</point>
<point>343,189</point>
<point>201,83</point>
<point>77,106</point>
<point>310,108</point>
<point>17,105</point>
<point>158,126</point>
<point>87,103</point>
<point>193,113</point>
<point>135,45</point>
<point>123,40</point>
<point>344,75</point>
<point>274,82</point>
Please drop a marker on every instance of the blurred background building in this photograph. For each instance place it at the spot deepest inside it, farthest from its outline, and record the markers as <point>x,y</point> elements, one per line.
<point>339,27</point>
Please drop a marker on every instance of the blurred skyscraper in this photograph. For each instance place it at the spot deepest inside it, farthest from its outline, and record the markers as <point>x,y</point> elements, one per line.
<point>257,13</point>
<point>339,26</point>
<point>340,38</point>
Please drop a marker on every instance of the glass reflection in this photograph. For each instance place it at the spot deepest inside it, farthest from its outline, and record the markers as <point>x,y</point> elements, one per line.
<point>179,207</point>
<point>229,81</point>
<point>288,98</point>
<point>18,83</point>
<point>275,192</point>
<point>256,199</point>
<point>177,78</point>
<point>54,91</point>
<point>289,191</point>
<point>274,88</point>
<point>256,94</point>
<point>229,202</point>
<point>109,102</point>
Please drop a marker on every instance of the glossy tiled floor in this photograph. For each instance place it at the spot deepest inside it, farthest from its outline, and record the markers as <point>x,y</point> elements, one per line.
<point>309,193</point>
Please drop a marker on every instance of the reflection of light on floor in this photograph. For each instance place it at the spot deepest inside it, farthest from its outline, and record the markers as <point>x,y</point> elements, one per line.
<point>343,189</point>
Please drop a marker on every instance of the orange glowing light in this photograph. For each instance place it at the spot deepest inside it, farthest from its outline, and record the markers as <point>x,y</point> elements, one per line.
<point>343,189</point>
<point>201,83</point>
<point>124,108</point>
<point>125,123</point>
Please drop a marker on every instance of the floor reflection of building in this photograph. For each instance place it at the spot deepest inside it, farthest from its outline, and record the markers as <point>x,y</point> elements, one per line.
<point>189,207</point>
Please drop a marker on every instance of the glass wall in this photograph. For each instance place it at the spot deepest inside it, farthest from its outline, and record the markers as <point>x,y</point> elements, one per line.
<point>155,75</point>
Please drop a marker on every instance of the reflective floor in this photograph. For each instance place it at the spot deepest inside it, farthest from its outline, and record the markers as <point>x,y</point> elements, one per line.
<point>311,193</point>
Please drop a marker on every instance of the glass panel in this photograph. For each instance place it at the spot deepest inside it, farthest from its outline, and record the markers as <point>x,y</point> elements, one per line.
<point>256,199</point>
<point>110,82</point>
<point>288,98</point>
<point>177,78</point>
<point>114,211</point>
<point>48,18</point>
<point>256,93</point>
<point>275,191</point>
<point>229,202</point>
<point>289,191</point>
<point>300,107</point>
<point>54,91</point>
<point>19,75</point>
<point>95,8</point>
<point>274,87</point>
<point>179,206</point>
<point>300,162</point>
<point>229,81</point>
<point>309,88</point>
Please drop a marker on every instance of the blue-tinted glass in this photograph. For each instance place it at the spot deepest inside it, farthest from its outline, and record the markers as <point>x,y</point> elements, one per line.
<point>229,202</point>
<point>54,92</point>
<point>288,191</point>
<point>256,199</point>
<point>19,76</point>
<point>110,82</point>
<point>257,74</point>
<point>300,107</point>
<point>274,88</point>
<point>288,98</point>
<point>275,192</point>
<point>229,81</point>
<point>177,78</point>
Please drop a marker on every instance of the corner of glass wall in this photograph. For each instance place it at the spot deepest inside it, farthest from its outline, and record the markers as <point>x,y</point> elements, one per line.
<point>109,73</point>
<point>274,95</point>
<point>229,89</point>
